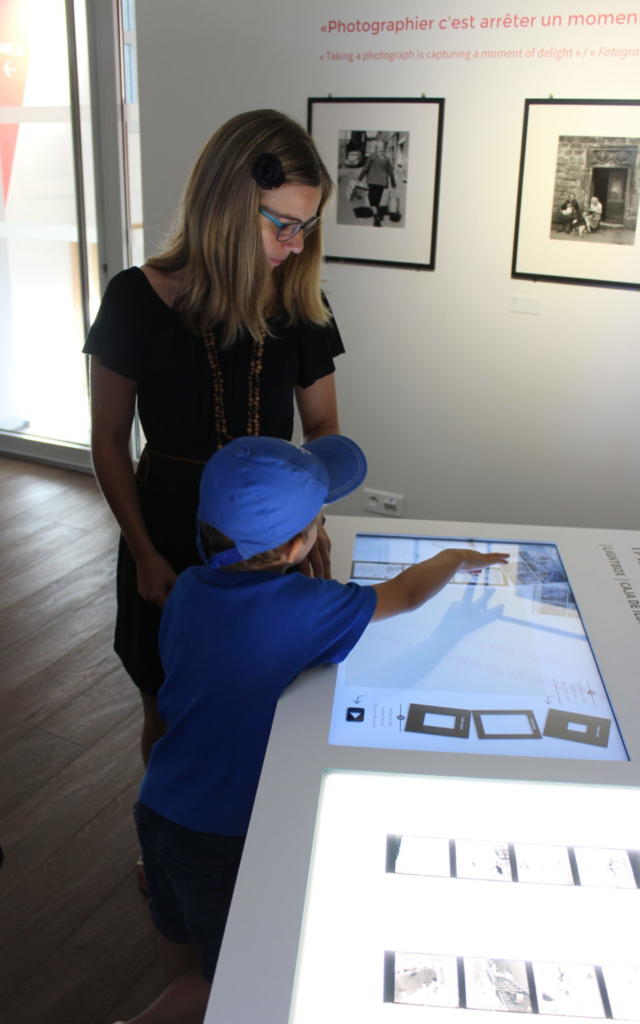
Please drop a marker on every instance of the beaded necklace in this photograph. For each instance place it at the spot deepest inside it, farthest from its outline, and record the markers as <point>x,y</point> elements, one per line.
<point>223,435</point>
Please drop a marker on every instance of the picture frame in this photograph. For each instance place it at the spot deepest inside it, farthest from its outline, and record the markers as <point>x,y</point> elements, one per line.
<point>384,156</point>
<point>578,193</point>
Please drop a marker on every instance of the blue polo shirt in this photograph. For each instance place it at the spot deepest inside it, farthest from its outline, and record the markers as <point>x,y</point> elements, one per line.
<point>230,644</point>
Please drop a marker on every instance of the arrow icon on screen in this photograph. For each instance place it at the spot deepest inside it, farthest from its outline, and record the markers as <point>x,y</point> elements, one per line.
<point>9,69</point>
<point>355,715</point>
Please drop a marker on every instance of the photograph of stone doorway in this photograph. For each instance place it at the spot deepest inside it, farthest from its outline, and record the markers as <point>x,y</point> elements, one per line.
<point>576,216</point>
<point>597,188</point>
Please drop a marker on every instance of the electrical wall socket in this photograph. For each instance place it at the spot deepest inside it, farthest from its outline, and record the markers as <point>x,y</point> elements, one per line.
<point>383,503</point>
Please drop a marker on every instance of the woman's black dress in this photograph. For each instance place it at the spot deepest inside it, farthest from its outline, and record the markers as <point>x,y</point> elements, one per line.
<point>137,335</point>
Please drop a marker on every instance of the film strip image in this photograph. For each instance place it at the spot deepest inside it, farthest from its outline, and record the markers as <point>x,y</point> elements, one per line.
<point>419,855</point>
<point>377,572</point>
<point>516,986</point>
<point>482,859</point>
<point>536,565</point>
<point>573,990</point>
<point>623,991</point>
<point>422,979</point>
<point>498,860</point>
<point>494,984</point>
<point>610,869</point>
<point>538,864</point>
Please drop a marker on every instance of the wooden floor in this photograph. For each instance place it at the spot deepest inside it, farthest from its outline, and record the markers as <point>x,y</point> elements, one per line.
<point>76,942</point>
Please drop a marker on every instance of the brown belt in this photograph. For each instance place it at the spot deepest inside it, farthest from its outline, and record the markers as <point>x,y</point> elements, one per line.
<point>150,454</point>
<point>174,458</point>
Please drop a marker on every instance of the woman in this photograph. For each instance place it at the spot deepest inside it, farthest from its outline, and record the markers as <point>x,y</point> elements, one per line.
<point>379,173</point>
<point>570,214</point>
<point>214,338</point>
<point>594,213</point>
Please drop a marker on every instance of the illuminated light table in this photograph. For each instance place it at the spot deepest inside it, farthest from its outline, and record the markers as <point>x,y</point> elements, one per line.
<point>452,827</point>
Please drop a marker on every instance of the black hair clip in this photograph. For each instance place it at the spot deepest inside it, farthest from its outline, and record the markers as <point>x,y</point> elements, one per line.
<point>267,171</point>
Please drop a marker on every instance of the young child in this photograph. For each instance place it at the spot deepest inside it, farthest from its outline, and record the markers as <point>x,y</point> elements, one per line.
<point>235,632</point>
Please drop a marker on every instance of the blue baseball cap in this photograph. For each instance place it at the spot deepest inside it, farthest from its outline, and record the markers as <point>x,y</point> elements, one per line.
<point>262,491</point>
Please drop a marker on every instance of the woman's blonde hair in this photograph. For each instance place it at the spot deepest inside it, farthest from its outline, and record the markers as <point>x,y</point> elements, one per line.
<point>217,246</point>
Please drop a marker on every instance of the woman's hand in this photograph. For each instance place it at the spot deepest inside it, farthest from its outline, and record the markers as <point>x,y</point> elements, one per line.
<point>155,579</point>
<point>112,407</point>
<point>318,561</point>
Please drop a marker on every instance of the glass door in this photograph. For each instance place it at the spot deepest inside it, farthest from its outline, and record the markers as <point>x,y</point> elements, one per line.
<point>50,273</point>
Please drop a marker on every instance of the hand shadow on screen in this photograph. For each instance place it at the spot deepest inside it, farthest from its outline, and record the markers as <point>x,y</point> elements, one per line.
<point>461,618</point>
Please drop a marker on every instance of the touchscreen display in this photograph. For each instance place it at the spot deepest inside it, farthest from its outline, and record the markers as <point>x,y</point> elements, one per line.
<point>496,663</point>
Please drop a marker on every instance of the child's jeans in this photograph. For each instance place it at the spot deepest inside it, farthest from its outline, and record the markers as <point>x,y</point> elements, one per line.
<point>191,876</point>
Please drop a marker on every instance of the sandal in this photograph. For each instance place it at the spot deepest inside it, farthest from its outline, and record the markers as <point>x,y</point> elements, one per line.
<point>141,878</point>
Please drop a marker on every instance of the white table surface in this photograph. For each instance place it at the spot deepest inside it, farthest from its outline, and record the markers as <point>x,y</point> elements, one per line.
<point>257,964</point>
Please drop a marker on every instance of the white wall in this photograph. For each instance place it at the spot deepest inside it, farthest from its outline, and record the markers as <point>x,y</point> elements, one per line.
<point>470,411</point>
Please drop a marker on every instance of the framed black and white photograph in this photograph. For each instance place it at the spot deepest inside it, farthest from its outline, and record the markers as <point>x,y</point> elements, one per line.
<point>578,193</point>
<point>384,157</point>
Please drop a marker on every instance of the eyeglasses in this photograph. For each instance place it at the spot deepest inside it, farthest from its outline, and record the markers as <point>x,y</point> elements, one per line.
<point>285,231</point>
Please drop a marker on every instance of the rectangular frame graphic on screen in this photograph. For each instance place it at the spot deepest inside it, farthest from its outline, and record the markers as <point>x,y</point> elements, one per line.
<point>571,725</point>
<point>488,724</point>
<point>438,721</point>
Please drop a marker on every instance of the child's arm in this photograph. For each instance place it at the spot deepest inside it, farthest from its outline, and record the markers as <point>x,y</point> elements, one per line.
<point>416,585</point>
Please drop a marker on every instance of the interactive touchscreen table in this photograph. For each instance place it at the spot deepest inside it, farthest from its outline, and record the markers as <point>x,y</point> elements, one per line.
<point>496,663</point>
<point>447,825</point>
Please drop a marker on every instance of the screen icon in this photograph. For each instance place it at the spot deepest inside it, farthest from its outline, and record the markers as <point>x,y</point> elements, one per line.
<point>355,714</point>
